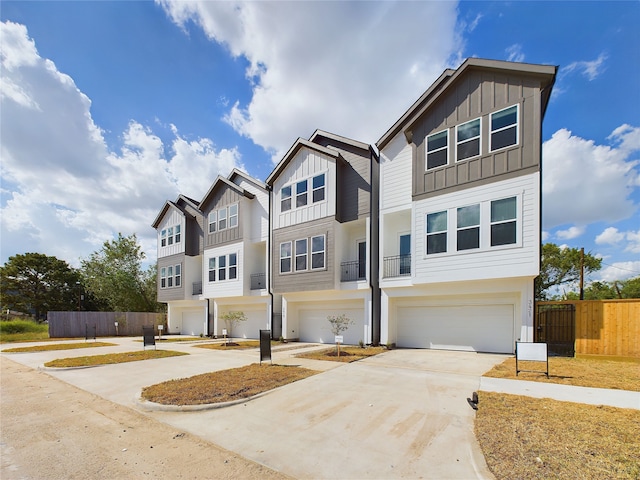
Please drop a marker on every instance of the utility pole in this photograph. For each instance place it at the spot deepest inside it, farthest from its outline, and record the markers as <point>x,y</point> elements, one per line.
<point>582,273</point>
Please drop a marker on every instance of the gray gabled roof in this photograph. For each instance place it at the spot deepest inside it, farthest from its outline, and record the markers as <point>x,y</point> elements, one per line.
<point>239,173</point>
<point>339,138</point>
<point>165,208</point>
<point>297,145</point>
<point>221,181</point>
<point>448,78</point>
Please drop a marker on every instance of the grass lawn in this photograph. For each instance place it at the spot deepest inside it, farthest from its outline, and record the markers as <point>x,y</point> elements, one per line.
<point>225,385</point>
<point>109,359</point>
<point>531,438</point>
<point>598,372</point>
<point>347,354</point>
<point>58,346</point>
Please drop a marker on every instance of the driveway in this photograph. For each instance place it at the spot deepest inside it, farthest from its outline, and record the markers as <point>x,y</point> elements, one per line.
<point>401,414</point>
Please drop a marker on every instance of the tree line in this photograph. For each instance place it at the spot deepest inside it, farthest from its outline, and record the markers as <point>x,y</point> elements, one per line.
<point>110,279</point>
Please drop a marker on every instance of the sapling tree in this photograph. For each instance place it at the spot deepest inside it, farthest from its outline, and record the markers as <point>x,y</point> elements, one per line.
<point>339,323</point>
<point>232,319</point>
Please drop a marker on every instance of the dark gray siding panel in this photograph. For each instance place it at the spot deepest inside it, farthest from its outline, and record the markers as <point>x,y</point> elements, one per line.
<point>173,293</point>
<point>225,196</point>
<point>311,279</point>
<point>194,239</point>
<point>477,95</point>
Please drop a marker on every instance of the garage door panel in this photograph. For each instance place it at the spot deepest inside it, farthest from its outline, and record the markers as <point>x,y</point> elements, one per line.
<point>192,323</point>
<point>480,328</point>
<point>256,320</point>
<point>314,326</point>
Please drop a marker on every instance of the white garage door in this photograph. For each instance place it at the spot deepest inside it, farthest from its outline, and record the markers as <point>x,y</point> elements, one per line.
<point>193,322</point>
<point>314,326</point>
<point>480,328</point>
<point>256,320</point>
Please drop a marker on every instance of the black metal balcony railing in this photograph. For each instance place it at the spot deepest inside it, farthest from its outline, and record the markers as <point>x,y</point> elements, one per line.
<point>352,271</point>
<point>197,288</point>
<point>258,281</point>
<point>397,266</point>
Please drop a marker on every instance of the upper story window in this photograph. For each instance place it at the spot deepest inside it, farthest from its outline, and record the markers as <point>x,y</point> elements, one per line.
<point>301,194</point>
<point>171,276</point>
<point>163,238</point>
<point>437,149</point>
<point>223,218</point>
<point>317,252</point>
<point>301,254</point>
<point>299,250</point>
<point>503,221</point>
<point>177,234</point>
<point>285,198</point>
<point>223,267</point>
<point>468,225</point>
<point>212,269</point>
<point>318,188</point>
<point>285,257</point>
<point>170,235</point>
<point>177,275</point>
<point>504,128</point>
<point>468,140</point>
<point>436,232</point>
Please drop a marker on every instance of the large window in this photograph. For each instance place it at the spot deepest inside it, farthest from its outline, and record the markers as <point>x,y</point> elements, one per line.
<point>437,146</point>
<point>285,198</point>
<point>213,221</point>
<point>318,188</point>
<point>503,221</point>
<point>468,225</point>
<point>468,140</point>
<point>436,232</point>
<point>504,128</point>
<point>223,267</point>
<point>301,254</point>
<point>317,252</point>
<point>285,257</point>
<point>301,194</point>
<point>223,218</point>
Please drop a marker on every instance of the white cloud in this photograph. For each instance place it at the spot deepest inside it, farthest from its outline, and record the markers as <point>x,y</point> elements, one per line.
<point>610,236</point>
<point>64,193</point>
<point>633,239</point>
<point>590,69</point>
<point>573,232</point>
<point>318,64</point>
<point>618,271</point>
<point>514,53</point>
<point>584,182</point>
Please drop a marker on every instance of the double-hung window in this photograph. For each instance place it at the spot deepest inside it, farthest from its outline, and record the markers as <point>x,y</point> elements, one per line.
<point>468,223</point>
<point>170,236</point>
<point>233,266</point>
<point>285,257</point>
<point>317,252</point>
<point>436,232</point>
<point>468,140</point>
<point>437,149</point>
<point>213,221</point>
<point>222,218</point>
<point>178,275</point>
<point>318,188</point>
<point>212,269</point>
<point>222,267</point>
<point>233,215</point>
<point>177,235</point>
<point>163,277</point>
<point>504,128</point>
<point>169,277</point>
<point>301,254</point>
<point>301,193</point>
<point>285,198</point>
<point>163,238</point>
<point>503,221</point>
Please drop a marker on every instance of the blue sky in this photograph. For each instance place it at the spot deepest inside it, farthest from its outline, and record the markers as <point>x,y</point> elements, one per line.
<point>110,108</point>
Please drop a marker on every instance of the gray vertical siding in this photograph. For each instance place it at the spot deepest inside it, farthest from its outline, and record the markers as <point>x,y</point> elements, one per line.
<point>225,196</point>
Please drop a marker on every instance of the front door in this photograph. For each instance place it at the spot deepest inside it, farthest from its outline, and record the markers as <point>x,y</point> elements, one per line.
<point>405,254</point>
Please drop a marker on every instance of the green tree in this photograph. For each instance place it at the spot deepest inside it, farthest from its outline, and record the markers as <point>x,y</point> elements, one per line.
<point>629,288</point>
<point>114,276</point>
<point>561,266</point>
<point>35,283</point>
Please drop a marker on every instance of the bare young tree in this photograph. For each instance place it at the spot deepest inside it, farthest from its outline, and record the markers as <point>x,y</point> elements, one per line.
<point>339,323</point>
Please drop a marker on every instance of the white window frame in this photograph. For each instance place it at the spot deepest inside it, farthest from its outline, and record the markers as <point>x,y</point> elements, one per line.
<point>233,217</point>
<point>170,236</point>
<point>501,129</point>
<point>470,139</point>
<point>222,268</point>
<point>427,152</point>
<point>163,277</point>
<point>318,189</point>
<point>284,196</point>
<point>232,266</point>
<point>304,255</point>
<point>212,269</point>
<point>302,194</point>
<point>177,234</point>
<point>213,221</point>
<point>170,276</point>
<point>177,275</point>
<point>476,226</point>
<point>221,219</point>
<point>502,222</point>
<point>313,253</point>
<point>436,232</point>
<point>290,257</point>
<point>163,237</point>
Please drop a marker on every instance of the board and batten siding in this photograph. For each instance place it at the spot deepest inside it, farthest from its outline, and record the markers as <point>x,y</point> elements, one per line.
<point>225,288</point>
<point>224,197</point>
<point>477,95</point>
<point>306,164</point>
<point>172,218</point>
<point>395,174</point>
<point>309,280</point>
<point>520,260</point>
<point>256,221</point>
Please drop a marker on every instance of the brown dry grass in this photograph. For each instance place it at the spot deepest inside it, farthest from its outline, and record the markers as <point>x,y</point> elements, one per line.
<point>225,385</point>
<point>109,359</point>
<point>58,346</point>
<point>347,354</point>
<point>531,438</point>
<point>595,372</point>
<point>231,345</point>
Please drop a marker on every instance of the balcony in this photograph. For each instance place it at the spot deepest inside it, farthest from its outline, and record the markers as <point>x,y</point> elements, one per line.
<point>397,266</point>
<point>352,271</point>
<point>197,288</point>
<point>258,281</point>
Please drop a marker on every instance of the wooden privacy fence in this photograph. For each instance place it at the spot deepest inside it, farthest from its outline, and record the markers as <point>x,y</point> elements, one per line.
<point>74,324</point>
<point>605,327</point>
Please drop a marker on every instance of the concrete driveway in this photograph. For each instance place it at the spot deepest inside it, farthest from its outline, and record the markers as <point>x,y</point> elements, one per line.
<point>401,414</point>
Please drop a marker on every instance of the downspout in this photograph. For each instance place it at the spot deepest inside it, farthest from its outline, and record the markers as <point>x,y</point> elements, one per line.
<point>269,289</point>
<point>374,248</point>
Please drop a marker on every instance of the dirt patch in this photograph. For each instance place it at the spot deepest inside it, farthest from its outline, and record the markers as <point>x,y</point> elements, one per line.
<point>110,359</point>
<point>347,354</point>
<point>225,385</point>
<point>231,345</point>
<point>531,438</point>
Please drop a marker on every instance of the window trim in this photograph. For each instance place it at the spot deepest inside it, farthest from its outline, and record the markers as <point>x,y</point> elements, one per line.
<point>323,251</point>
<point>427,152</point>
<point>503,222</point>
<point>163,237</point>
<point>230,215</point>
<point>315,189</point>
<point>177,234</point>
<point>220,219</point>
<point>302,193</point>
<point>177,275</point>
<point>213,222</point>
<point>284,197</point>
<point>438,232</point>
<point>476,226</point>
<point>492,131</point>
<point>290,257</point>
<point>163,277</point>
<point>305,255</point>
<point>212,269</point>
<point>478,137</point>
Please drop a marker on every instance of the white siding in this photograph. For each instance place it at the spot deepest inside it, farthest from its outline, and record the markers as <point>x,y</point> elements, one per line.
<point>172,218</point>
<point>225,288</point>
<point>259,212</point>
<point>498,262</point>
<point>306,164</point>
<point>192,272</point>
<point>395,174</point>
